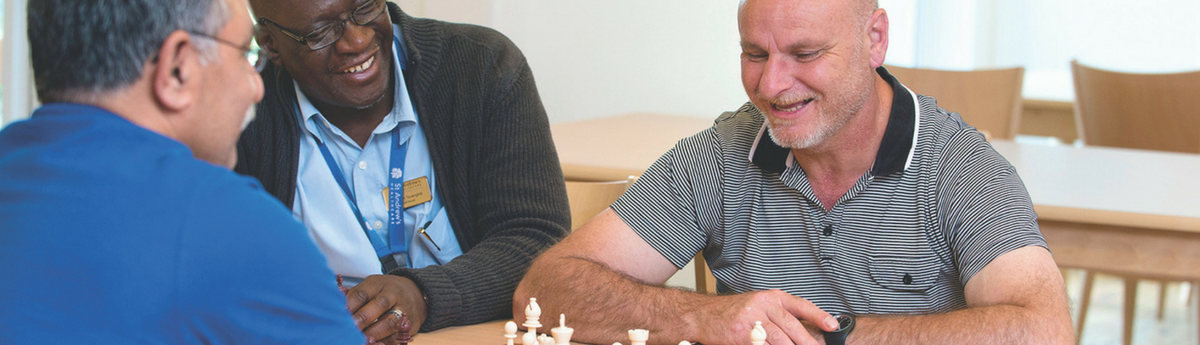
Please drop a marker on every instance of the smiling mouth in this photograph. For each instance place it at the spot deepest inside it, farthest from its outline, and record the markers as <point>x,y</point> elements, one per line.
<point>364,66</point>
<point>787,108</point>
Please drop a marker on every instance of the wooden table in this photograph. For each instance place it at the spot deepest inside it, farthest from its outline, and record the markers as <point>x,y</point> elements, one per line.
<point>488,333</point>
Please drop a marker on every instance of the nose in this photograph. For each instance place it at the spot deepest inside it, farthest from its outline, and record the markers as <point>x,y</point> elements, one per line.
<point>777,76</point>
<point>355,38</point>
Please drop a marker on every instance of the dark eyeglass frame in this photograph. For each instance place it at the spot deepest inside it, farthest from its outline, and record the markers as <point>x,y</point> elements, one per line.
<point>250,52</point>
<point>328,34</point>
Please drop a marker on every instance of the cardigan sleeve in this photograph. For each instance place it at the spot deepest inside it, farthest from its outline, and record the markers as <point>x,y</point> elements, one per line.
<point>497,163</point>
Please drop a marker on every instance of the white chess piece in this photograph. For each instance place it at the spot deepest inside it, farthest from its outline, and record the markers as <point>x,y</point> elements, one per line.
<point>562,333</point>
<point>532,313</point>
<point>530,338</point>
<point>510,331</point>
<point>638,336</point>
<point>685,342</point>
<point>545,340</point>
<point>758,335</point>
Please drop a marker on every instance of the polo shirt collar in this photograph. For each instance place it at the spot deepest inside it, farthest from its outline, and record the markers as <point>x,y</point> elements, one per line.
<point>895,151</point>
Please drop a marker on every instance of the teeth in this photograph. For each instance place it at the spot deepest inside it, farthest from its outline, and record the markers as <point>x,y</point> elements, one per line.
<point>364,66</point>
<point>795,107</point>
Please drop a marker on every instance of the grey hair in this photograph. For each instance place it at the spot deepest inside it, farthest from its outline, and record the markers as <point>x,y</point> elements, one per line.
<point>82,50</point>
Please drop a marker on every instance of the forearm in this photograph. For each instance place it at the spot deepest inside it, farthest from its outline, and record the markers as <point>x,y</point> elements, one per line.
<point>997,324</point>
<point>607,302</point>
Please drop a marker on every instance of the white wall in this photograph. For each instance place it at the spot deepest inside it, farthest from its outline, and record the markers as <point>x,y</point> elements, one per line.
<point>600,58</point>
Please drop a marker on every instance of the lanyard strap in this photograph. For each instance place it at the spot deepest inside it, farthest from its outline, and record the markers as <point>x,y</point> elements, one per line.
<point>398,251</point>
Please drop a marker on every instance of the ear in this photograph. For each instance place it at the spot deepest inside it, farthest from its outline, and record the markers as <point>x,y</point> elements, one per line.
<point>175,73</point>
<point>266,44</point>
<point>877,29</point>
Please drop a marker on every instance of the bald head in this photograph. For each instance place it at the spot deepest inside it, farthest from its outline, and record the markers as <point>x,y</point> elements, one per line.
<point>861,8</point>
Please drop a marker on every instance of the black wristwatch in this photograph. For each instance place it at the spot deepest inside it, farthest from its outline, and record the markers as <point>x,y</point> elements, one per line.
<point>845,325</point>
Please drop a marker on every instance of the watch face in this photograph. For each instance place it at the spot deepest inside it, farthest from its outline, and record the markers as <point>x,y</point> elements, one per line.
<point>844,322</point>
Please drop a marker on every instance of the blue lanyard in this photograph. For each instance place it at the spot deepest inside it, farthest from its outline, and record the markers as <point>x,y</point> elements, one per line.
<point>398,252</point>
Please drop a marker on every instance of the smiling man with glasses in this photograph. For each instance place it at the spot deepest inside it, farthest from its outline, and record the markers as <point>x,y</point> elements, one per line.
<point>417,153</point>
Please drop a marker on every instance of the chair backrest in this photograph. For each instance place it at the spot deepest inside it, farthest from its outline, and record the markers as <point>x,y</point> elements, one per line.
<point>990,99</point>
<point>1141,111</point>
<point>587,198</point>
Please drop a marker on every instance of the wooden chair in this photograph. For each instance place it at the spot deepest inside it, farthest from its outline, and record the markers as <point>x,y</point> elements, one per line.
<point>1138,111</point>
<point>990,100</point>
<point>587,199</point>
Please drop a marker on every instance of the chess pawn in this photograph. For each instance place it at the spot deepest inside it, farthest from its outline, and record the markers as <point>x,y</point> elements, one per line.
<point>530,338</point>
<point>758,335</point>
<point>510,332</point>
<point>638,336</point>
<point>562,333</point>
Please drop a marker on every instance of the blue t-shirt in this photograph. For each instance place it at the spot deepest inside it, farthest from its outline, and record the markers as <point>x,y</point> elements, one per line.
<point>111,233</point>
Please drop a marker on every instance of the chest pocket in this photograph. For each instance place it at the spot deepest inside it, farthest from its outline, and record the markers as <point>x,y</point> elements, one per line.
<point>903,284</point>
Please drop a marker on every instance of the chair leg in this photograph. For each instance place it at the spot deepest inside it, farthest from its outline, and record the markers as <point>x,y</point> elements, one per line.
<point>1089,278</point>
<point>1162,299</point>
<point>1130,308</point>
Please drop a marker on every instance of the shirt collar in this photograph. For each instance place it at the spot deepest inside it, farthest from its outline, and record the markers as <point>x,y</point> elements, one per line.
<point>395,117</point>
<point>895,151</point>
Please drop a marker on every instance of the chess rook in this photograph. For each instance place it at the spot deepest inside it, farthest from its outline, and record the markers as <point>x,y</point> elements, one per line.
<point>638,336</point>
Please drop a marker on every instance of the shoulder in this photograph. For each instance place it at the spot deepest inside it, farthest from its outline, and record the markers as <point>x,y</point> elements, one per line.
<point>953,143</point>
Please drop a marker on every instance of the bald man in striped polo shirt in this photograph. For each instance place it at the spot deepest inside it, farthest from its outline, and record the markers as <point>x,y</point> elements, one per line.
<point>835,191</point>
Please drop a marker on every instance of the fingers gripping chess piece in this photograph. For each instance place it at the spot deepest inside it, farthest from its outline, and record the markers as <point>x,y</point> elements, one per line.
<point>638,336</point>
<point>562,333</point>
<point>403,329</point>
<point>510,332</point>
<point>758,335</point>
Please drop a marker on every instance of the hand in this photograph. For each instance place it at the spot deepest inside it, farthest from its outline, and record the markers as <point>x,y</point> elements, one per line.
<point>371,300</point>
<point>729,319</point>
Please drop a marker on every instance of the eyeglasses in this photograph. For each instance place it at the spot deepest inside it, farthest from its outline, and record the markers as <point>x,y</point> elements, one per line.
<point>326,35</point>
<point>250,51</point>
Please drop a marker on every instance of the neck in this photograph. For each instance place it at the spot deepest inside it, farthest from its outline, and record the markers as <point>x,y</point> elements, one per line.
<point>137,105</point>
<point>358,123</point>
<point>834,165</point>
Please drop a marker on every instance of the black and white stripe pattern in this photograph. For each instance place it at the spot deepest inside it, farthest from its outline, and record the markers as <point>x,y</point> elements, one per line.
<point>900,241</point>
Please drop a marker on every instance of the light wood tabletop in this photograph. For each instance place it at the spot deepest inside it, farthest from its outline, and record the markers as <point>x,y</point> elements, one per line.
<point>1123,211</point>
<point>488,333</point>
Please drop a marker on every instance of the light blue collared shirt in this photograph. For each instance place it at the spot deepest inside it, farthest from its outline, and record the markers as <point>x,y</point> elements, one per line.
<point>323,209</point>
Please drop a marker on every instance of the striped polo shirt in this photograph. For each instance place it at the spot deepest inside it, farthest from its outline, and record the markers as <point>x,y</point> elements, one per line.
<point>936,207</point>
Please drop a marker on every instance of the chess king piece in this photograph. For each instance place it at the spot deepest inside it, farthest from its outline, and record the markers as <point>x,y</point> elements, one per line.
<point>562,333</point>
<point>510,332</point>
<point>638,336</point>
<point>758,335</point>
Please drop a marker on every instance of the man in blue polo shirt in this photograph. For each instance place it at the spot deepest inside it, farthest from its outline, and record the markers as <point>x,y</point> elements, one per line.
<point>120,221</point>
